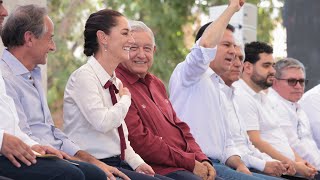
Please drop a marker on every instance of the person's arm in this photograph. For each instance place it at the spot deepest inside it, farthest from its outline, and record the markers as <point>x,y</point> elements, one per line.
<point>265,147</point>
<point>214,32</point>
<point>23,120</point>
<point>14,149</point>
<point>236,163</point>
<point>84,89</point>
<point>153,148</point>
<point>204,51</point>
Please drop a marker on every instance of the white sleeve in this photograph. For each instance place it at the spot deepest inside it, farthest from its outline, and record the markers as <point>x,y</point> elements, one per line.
<point>83,88</point>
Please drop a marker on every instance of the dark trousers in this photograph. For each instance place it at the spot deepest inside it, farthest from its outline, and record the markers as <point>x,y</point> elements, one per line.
<point>127,170</point>
<point>53,169</point>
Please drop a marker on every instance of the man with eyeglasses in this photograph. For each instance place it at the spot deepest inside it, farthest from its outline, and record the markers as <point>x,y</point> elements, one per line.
<point>261,120</point>
<point>287,89</point>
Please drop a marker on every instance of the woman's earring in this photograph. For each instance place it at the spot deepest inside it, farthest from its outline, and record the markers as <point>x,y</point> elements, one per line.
<point>105,47</point>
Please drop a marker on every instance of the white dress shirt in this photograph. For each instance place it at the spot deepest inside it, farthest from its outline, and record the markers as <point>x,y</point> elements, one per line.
<point>251,156</point>
<point>9,118</point>
<point>295,123</point>
<point>310,103</point>
<point>90,118</point>
<point>259,115</point>
<point>195,95</point>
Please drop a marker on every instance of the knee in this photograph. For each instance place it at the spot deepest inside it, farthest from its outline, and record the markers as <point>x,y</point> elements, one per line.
<point>71,172</point>
<point>92,172</point>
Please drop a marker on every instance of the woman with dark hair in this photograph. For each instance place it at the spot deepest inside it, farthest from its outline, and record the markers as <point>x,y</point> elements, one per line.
<point>96,103</point>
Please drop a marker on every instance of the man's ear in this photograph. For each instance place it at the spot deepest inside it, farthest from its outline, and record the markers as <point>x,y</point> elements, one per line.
<point>247,67</point>
<point>154,49</point>
<point>29,38</point>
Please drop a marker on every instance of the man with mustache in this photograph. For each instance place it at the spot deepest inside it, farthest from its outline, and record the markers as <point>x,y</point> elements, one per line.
<point>261,121</point>
<point>251,156</point>
<point>195,95</point>
<point>287,89</point>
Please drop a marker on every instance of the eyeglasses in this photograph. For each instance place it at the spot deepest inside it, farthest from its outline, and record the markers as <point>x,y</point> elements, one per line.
<point>293,82</point>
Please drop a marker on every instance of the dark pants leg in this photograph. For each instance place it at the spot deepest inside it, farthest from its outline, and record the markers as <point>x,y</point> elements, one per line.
<point>52,169</point>
<point>91,172</point>
<point>183,175</point>
<point>4,178</point>
<point>127,170</point>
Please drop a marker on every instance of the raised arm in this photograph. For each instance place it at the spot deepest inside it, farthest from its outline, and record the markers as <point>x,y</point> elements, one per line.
<point>215,30</point>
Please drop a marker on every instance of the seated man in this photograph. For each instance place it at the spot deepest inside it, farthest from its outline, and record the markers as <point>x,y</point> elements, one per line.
<point>17,158</point>
<point>310,103</point>
<point>195,95</point>
<point>260,119</point>
<point>252,157</point>
<point>28,36</point>
<point>155,132</point>
<point>287,90</point>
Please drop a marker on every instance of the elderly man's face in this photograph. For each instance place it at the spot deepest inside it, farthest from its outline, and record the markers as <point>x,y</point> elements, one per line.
<point>3,13</point>
<point>233,74</point>
<point>288,90</point>
<point>141,54</point>
<point>43,45</point>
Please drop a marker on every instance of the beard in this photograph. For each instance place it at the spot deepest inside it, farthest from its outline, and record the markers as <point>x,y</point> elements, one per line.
<point>261,81</point>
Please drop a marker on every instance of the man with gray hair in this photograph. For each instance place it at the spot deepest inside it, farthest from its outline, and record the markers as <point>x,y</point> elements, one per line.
<point>287,89</point>
<point>155,132</point>
<point>28,36</point>
<point>17,155</point>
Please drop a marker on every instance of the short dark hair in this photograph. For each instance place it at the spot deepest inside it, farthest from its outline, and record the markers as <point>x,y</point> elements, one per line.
<point>204,27</point>
<point>23,19</point>
<point>102,20</point>
<point>254,49</point>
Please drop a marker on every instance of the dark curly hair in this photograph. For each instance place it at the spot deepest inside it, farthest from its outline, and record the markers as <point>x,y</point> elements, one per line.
<point>204,27</point>
<point>102,20</point>
<point>253,49</point>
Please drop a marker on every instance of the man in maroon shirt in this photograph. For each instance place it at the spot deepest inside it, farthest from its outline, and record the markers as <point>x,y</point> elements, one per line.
<point>155,132</point>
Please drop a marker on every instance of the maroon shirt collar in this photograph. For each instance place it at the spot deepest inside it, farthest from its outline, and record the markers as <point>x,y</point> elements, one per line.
<point>131,77</point>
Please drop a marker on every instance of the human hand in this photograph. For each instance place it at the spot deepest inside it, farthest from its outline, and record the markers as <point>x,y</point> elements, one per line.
<point>123,90</point>
<point>200,170</point>
<point>211,171</point>
<point>50,150</point>
<point>236,4</point>
<point>110,171</point>
<point>145,169</point>
<point>13,148</point>
<point>274,168</point>
<point>243,169</point>
<point>305,169</point>
<point>290,165</point>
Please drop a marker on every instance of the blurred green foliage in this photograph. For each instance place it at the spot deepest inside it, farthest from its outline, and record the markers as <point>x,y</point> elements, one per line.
<point>171,20</point>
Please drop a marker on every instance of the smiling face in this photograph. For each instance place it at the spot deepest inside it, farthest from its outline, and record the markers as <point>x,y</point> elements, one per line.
<point>42,45</point>
<point>141,53</point>
<point>225,53</point>
<point>233,74</point>
<point>289,92</point>
<point>120,40</point>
